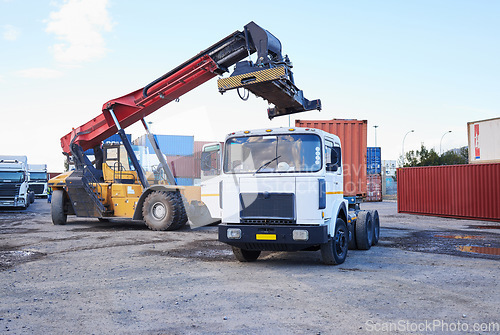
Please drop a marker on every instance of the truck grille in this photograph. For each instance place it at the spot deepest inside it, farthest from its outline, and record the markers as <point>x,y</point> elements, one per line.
<point>9,190</point>
<point>267,208</point>
<point>37,188</point>
<point>267,221</point>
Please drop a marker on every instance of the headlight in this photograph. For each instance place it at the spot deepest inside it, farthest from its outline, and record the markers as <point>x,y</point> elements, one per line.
<point>300,235</point>
<point>233,233</point>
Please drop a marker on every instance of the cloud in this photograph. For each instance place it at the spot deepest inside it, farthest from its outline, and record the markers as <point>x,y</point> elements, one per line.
<point>79,25</point>
<point>10,33</point>
<point>39,73</point>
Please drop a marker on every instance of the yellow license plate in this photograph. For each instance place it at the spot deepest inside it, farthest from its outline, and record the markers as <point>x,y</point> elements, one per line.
<point>266,237</point>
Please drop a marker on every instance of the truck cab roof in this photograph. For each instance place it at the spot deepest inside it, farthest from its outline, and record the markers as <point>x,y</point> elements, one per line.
<point>284,130</point>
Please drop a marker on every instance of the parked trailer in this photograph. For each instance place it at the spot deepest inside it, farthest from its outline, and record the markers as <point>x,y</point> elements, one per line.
<point>469,191</point>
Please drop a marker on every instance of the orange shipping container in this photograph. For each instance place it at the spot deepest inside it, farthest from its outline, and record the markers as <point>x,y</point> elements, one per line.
<point>352,134</point>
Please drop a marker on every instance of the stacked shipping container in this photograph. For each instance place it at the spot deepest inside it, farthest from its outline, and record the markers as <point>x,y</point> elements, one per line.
<point>183,156</point>
<point>179,153</point>
<point>170,145</point>
<point>374,174</point>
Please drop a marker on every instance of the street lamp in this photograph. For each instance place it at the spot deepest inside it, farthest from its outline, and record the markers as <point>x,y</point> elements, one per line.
<point>375,135</point>
<point>411,131</point>
<point>449,131</point>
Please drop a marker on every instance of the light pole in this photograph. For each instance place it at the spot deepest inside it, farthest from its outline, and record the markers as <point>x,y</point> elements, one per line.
<point>440,151</point>
<point>403,153</point>
<point>375,135</point>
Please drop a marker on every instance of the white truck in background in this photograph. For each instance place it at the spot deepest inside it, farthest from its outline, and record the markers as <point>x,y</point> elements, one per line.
<point>14,187</point>
<point>38,179</point>
<point>281,189</point>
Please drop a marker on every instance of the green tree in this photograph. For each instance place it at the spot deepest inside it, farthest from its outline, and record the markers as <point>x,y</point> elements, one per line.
<point>425,157</point>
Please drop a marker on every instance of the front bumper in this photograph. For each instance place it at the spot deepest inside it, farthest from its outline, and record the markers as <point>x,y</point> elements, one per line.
<point>274,238</point>
<point>12,202</point>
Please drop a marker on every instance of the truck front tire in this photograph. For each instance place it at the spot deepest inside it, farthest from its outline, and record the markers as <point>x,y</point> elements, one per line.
<point>335,250</point>
<point>244,255</point>
<point>59,217</point>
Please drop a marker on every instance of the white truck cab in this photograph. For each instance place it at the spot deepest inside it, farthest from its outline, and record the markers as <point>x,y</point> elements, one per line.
<point>14,176</point>
<point>282,190</point>
<point>38,179</point>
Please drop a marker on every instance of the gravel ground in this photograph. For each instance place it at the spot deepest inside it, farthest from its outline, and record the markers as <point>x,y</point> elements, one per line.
<point>427,275</point>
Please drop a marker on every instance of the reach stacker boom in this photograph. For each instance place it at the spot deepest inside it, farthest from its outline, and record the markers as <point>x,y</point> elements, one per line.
<point>115,187</point>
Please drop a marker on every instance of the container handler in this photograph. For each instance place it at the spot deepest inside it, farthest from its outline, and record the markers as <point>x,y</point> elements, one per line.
<point>97,189</point>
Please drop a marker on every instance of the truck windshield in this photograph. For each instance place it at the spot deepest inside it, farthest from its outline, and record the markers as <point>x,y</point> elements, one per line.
<point>38,176</point>
<point>273,154</point>
<point>11,176</point>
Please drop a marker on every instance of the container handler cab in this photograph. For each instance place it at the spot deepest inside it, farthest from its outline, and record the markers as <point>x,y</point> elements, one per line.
<point>282,190</point>
<point>98,189</point>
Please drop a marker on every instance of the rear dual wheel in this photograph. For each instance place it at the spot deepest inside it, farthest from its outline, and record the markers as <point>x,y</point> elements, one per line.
<point>364,230</point>
<point>376,226</point>
<point>361,230</point>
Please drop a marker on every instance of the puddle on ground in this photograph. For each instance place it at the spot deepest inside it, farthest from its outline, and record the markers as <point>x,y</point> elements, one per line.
<point>10,258</point>
<point>461,237</point>
<point>480,245</point>
<point>479,250</point>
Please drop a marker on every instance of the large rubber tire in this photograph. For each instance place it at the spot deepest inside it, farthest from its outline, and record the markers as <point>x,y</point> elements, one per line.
<point>59,217</point>
<point>376,226</point>
<point>335,250</point>
<point>159,211</point>
<point>364,230</point>
<point>181,215</point>
<point>352,240</point>
<point>244,255</point>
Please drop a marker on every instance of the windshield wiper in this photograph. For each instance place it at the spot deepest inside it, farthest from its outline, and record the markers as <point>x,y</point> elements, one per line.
<point>266,164</point>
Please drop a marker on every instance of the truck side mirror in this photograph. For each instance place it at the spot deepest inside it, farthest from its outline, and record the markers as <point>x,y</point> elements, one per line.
<point>332,167</point>
<point>206,161</point>
<point>335,160</point>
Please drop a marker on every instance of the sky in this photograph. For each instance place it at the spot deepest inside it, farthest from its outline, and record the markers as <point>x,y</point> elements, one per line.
<point>427,66</point>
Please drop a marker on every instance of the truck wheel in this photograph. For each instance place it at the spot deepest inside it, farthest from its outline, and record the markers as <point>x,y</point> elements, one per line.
<point>376,227</point>
<point>244,255</point>
<point>352,237</point>
<point>181,216</point>
<point>364,230</point>
<point>59,217</point>
<point>158,211</point>
<point>335,250</point>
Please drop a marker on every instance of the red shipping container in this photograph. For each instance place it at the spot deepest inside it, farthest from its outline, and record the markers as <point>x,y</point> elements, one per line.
<point>373,187</point>
<point>352,134</point>
<point>182,166</point>
<point>462,191</point>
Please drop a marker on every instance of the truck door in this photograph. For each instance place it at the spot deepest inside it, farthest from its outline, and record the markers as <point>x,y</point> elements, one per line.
<point>210,178</point>
<point>333,176</point>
